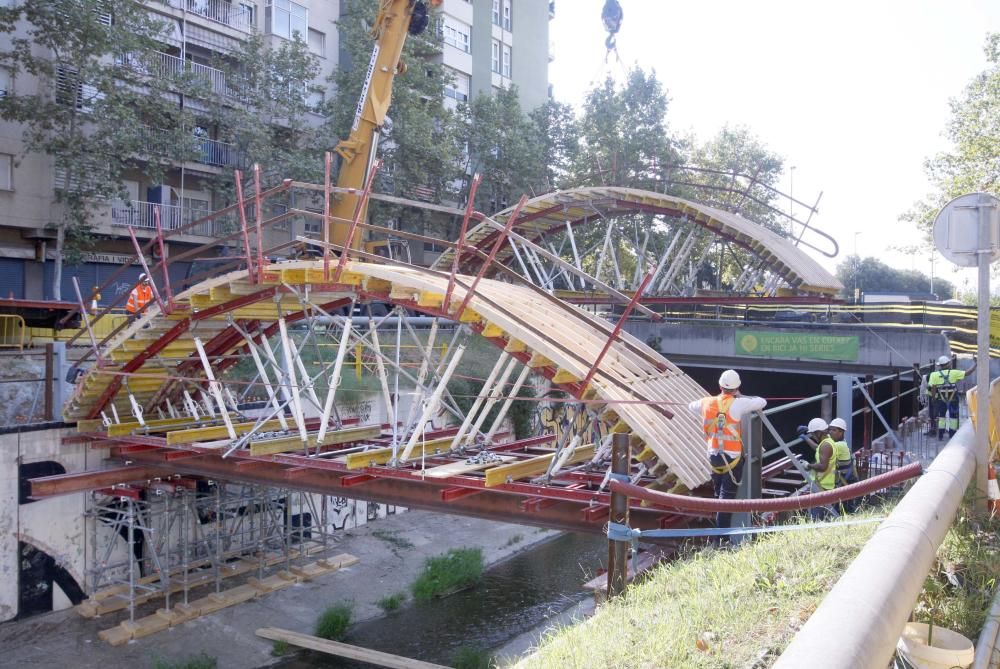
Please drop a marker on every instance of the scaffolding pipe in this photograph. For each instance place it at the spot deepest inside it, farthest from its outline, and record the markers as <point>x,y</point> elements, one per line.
<point>432,404</point>
<point>487,391</point>
<point>338,366</point>
<point>214,388</point>
<point>872,601</point>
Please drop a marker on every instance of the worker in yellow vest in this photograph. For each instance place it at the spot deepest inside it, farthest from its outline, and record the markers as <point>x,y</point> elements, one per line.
<point>721,415</point>
<point>846,472</point>
<point>943,385</point>
<point>824,468</point>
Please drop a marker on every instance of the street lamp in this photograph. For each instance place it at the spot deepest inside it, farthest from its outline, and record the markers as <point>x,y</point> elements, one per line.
<point>791,201</point>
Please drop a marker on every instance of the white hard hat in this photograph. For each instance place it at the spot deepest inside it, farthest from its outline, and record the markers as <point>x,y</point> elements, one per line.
<point>817,425</point>
<point>944,360</point>
<point>142,276</point>
<point>729,380</point>
<point>839,422</point>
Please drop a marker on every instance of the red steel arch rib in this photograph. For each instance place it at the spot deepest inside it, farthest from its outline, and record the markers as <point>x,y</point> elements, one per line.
<point>548,214</point>
<point>646,392</point>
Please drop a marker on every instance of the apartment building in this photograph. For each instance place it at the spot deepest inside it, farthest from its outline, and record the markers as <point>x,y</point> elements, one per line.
<point>489,44</point>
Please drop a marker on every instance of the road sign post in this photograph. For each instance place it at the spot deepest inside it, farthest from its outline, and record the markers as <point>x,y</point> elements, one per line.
<point>967,232</point>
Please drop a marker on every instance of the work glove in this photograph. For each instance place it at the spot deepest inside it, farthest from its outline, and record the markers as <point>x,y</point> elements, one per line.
<point>802,430</point>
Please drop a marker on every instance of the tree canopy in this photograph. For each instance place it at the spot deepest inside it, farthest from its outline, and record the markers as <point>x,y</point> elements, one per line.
<point>871,275</point>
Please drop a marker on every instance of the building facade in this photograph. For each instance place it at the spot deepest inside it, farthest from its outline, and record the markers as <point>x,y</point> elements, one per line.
<point>488,44</point>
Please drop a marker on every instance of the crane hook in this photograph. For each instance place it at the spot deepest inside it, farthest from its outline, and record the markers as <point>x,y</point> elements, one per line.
<point>611,15</point>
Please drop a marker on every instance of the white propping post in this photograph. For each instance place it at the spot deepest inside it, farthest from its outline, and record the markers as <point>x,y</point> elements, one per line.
<point>214,387</point>
<point>207,403</point>
<point>382,377</point>
<point>114,412</point>
<point>486,391</point>
<point>307,382</point>
<point>292,382</point>
<point>432,404</point>
<point>331,393</point>
<point>491,401</point>
<point>283,388</point>
<point>506,405</point>
<point>418,391</point>
<point>271,395</point>
<point>136,409</point>
<point>170,409</point>
<point>191,405</point>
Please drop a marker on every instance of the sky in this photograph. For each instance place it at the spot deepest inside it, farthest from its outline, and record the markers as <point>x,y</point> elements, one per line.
<point>854,94</point>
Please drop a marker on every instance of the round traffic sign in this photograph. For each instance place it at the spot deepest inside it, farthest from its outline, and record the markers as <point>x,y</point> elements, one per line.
<point>956,229</point>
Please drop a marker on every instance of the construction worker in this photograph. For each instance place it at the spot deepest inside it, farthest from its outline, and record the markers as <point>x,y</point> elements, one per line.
<point>846,473</point>
<point>721,415</point>
<point>824,469</point>
<point>943,385</point>
<point>139,297</point>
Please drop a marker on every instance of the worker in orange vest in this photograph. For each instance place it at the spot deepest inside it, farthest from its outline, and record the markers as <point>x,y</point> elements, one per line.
<point>139,297</point>
<point>721,415</point>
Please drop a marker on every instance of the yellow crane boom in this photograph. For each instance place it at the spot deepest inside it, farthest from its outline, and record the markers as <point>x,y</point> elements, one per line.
<point>394,20</point>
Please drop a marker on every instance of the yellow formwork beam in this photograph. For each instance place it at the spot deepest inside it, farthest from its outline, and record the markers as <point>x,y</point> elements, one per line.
<point>515,346</point>
<point>380,456</point>
<point>430,299</point>
<point>213,432</point>
<point>156,425</point>
<point>538,360</point>
<point>532,466</point>
<point>272,446</point>
<point>564,376</point>
<point>492,331</point>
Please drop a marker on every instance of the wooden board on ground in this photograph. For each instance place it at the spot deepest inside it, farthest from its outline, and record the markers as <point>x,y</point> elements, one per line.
<point>459,468</point>
<point>344,650</point>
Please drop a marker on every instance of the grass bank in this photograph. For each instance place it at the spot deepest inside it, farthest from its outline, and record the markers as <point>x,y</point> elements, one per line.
<point>712,608</point>
<point>740,608</point>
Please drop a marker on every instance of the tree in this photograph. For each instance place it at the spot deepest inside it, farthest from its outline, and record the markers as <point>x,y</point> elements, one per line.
<point>623,134</point>
<point>974,130</point>
<point>269,124</point>
<point>872,275</point>
<point>99,103</point>
<point>560,141</point>
<point>504,148</point>
<point>422,153</point>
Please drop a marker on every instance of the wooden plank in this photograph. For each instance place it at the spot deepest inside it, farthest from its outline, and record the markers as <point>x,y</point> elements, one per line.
<point>532,466</point>
<point>272,446</point>
<point>380,456</point>
<point>344,650</point>
<point>458,468</point>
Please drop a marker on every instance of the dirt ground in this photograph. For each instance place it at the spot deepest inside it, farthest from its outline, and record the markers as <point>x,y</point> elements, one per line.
<point>388,564</point>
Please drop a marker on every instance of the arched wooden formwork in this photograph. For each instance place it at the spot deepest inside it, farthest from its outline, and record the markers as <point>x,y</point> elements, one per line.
<point>549,214</point>
<point>647,393</point>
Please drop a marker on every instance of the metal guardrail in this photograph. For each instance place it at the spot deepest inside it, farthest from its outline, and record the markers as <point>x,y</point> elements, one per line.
<point>219,11</point>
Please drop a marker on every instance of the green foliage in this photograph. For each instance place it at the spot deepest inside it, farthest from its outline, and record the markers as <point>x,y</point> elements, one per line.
<point>391,603</point>
<point>333,622</point>
<point>457,569</point>
<point>873,275</point>
<point>504,148</point>
<point>959,590</point>
<point>468,657</point>
<point>514,540</point>
<point>280,648</point>
<point>392,538</point>
<point>974,130</point>
<point>200,661</point>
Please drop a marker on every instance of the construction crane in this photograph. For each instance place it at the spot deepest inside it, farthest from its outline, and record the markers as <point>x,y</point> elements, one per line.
<point>611,15</point>
<point>395,19</point>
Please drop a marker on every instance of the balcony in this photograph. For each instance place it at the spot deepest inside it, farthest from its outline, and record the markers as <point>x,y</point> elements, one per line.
<point>163,65</point>
<point>200,150</point>
<point>140,215</point>
<point>218,11</point>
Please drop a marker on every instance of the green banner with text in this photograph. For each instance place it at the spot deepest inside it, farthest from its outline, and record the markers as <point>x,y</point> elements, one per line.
<point>796,345</point>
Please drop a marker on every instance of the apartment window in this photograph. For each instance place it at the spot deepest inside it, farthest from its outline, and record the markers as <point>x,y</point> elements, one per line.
<point>496,12</point>
<point>288,18</point>
<point>4,82</point>
<point>496,57</point>
<point>317,43</point>
<point>457,34</point>
<point>316,99</point>
<point>505,62</point>
<point>506,14</point>
<point>6,171</point>
<point>70,91</point>
<point>458,89</point>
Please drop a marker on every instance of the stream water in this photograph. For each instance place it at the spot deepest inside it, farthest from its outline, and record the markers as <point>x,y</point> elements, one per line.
<point>513,597</point>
